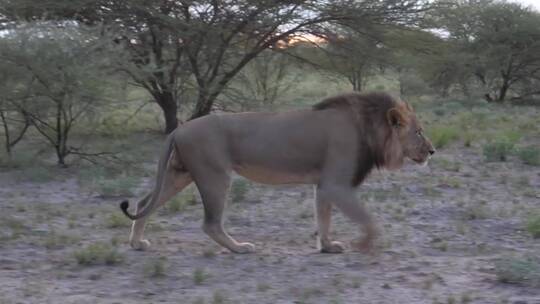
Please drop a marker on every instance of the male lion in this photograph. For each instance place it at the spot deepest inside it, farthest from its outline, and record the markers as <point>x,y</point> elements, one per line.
<point>333,145</point>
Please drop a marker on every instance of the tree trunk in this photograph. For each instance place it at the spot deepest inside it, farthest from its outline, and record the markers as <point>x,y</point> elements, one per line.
<point>61,157</point>
<point>356,81</point>
<point>502,91</point>
<point>167,103</point>
<point>6,134</point>
<point>203,107</point>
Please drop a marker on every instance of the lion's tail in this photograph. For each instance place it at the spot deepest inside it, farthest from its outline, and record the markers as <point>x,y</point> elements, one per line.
<point>162,167</point>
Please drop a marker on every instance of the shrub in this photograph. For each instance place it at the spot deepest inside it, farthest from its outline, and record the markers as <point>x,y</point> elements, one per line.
<point>117,220</point>
<point>98,254</point>
<point>512,136</point>
<point>439,112</point>
<point>530,156</point>
<point>11,228</point>
<point>37,174</point>
<point>533,225</point>
<point>441,136</point>
<point>58,241</point>
<point>518,270</point>
<point>199,276</point>
<point>498,150</point>
<point>181,201</point>
<point>477,211</point>
<point>239,190</point>
<point>219,297</point>
<point>120,186</point>
<point>155,268</point>
<point>453,106</point>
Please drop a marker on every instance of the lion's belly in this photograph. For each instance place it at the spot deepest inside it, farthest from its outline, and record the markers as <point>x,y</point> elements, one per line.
<point>275,177</point>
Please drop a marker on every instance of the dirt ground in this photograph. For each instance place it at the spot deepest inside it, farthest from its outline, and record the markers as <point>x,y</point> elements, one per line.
<point>444,227</point>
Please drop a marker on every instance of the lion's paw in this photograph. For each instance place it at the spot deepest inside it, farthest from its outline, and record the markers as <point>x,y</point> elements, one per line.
<point>140,245</point>
<point>366,246</point>
<point>333,247</point>
<point>245,248</point>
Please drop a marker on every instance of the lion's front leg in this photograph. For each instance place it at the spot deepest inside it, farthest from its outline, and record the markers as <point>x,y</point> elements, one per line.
<point>344,198</point>
<point>323,211</point>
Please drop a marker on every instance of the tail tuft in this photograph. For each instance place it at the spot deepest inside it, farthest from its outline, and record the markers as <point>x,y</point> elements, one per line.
<point>124,206</point>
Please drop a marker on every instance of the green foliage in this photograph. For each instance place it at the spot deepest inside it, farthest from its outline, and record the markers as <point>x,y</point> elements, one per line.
<point>442,136</point>
<point>58,241</point>
<point>155,267</point>
<point>498,150</point>
<point>180,202</point>
<point>107,181</point>
<point>263,82</point>
<point>199,276</point>
<point>219,297</point>
<point>239,190</point>
<point>12,228</point>
<point>529,155</point>
<point>518,270</point>
<point>98,254</point>
<point>61,69</point>
<point>37,174</point>
<point>111,180</point>
<point>120,186</point>
<point>477,211</point>
<point>117,220</point>
<point>499,37</point>
<point>533,225</point>
<point>21,159</point>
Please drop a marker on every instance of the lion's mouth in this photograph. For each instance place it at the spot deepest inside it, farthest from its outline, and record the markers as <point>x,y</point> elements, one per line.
<point>421,160</point>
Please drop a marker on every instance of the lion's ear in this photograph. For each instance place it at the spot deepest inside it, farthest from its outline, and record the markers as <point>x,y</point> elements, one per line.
<point>395,117</point>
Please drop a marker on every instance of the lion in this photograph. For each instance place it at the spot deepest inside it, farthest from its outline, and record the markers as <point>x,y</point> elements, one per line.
<point>334,146</point>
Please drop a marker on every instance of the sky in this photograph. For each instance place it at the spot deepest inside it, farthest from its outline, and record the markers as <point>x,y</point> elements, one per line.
<point>533,3</point>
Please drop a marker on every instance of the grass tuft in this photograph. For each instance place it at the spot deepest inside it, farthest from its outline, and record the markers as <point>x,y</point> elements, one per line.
<point>181,201</point>
<point>239,190</point>
<point>529,155</point>
<point>117,220</point>
<point>98,254</point>
<point>155,268</point>
<point>498,150</point>
<point>199,276</point>
<point>533,225</point>
<point>518,270</point>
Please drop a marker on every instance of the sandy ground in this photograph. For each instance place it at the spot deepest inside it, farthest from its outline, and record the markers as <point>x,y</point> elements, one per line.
<point>444,227</point>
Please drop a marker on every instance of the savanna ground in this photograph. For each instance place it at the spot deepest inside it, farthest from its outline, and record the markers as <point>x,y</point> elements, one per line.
<point>461,230</point>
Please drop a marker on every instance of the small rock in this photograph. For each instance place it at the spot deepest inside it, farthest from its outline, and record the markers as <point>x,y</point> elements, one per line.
<point>386,286</point>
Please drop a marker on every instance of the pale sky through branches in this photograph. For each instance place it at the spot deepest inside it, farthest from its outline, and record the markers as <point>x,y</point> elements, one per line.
<point>534,3</point>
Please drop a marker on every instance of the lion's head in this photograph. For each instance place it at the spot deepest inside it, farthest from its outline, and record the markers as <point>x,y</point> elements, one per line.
<point>407,139</point>
<point>388,133</point>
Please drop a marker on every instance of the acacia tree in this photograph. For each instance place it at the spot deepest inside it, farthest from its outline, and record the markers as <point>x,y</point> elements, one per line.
<point>262,83</point>
<point>227,37</point>
<point>14,122</point>
<point>64,68</point>
<point>356,56</point>
<point>498,43</point>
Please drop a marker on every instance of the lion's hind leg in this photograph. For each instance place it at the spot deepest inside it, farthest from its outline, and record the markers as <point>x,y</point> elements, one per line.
<point>137,227</point>
<point>175,181</point>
